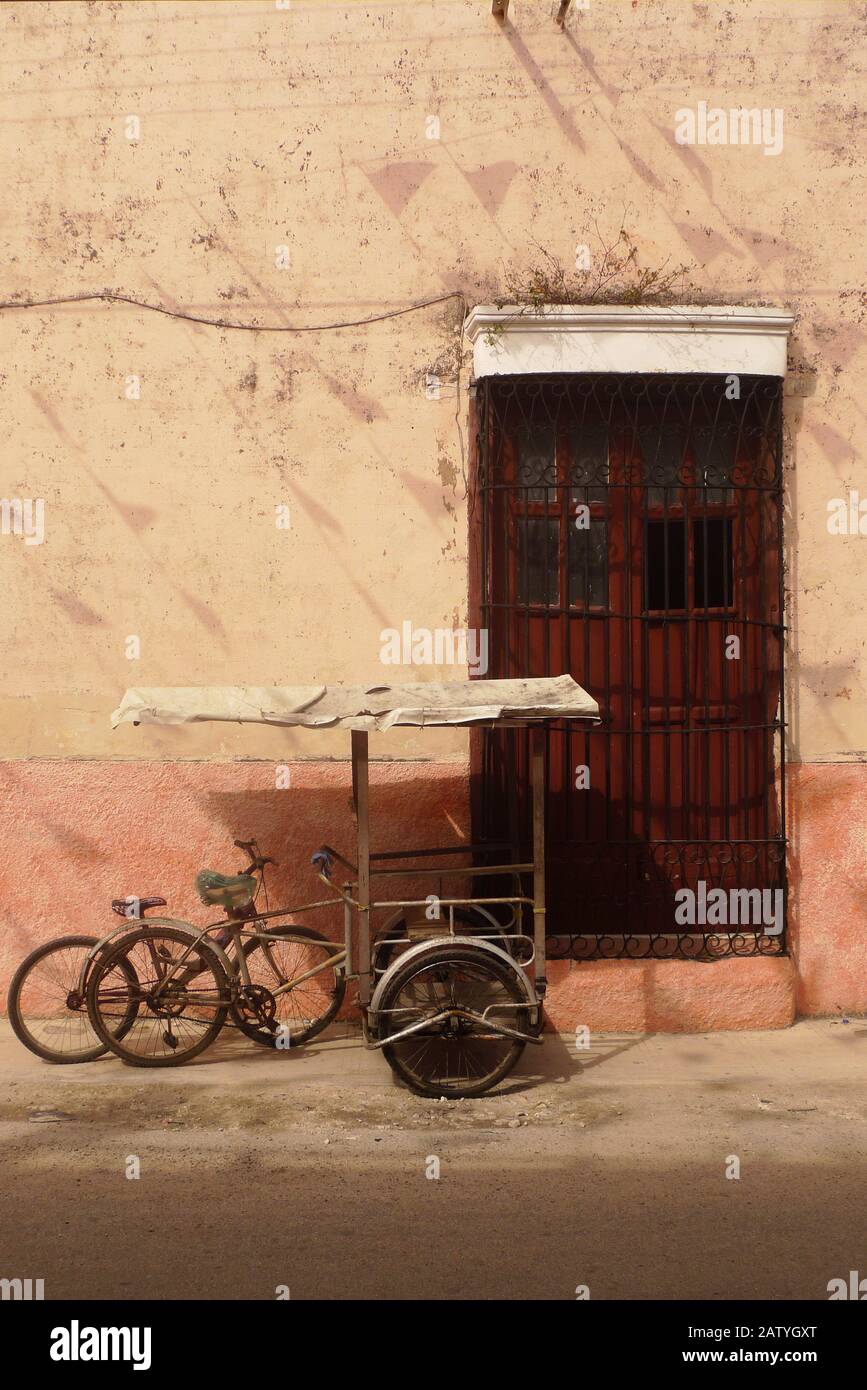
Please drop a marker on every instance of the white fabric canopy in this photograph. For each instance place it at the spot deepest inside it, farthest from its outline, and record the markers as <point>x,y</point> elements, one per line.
<point>361,707</point>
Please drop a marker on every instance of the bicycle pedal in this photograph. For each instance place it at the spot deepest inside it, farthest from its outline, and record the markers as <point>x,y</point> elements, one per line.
<point>170,1040</point>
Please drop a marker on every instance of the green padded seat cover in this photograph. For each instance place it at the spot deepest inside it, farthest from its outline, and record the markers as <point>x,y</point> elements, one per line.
<point>225,890</point>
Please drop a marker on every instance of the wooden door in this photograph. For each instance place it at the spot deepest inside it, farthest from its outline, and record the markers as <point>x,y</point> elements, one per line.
<point>627,531</point>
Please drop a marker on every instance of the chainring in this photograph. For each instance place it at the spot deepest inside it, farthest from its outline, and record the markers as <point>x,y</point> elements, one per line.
<point>256,1004</point>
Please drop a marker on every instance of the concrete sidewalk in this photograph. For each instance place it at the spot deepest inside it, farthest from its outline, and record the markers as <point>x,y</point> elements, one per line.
<point>309,1168</point>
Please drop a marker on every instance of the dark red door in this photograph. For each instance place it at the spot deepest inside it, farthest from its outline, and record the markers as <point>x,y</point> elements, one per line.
<point>626,530</point>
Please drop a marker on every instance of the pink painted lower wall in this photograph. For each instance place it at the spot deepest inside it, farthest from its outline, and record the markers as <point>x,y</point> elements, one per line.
<point>828,885</point>
<point>75,834</point>
<point>671,996</point>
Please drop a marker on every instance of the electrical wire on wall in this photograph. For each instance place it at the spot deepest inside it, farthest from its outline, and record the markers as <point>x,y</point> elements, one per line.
<point>113,297</point>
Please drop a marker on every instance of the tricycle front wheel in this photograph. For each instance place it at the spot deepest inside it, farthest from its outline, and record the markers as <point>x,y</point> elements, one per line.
<point>459,1056</point>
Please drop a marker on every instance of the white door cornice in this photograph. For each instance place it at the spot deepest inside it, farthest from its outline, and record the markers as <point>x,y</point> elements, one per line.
<point>515,339</point>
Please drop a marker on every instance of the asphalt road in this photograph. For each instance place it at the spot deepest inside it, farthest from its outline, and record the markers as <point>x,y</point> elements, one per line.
<point>311,1169</point>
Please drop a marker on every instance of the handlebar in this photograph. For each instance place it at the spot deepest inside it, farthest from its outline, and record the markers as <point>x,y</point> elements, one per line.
<point>323,861</point>
<point>257,860</point>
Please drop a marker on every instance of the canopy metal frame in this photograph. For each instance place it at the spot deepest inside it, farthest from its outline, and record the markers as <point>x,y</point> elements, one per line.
<point>370,866</point>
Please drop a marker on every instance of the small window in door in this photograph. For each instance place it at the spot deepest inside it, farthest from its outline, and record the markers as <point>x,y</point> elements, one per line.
<point>588,462</point>
<point>539,560</point>
<point>587,544</point>
<point>712,561</point>
<point>662,453</point>
<point>714,449</point>
<point>537,466</point>
<point>588,565</point>
<point>665,566</point>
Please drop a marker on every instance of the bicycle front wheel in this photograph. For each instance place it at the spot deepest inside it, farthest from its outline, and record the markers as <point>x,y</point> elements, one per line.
<point>181,997</point>
<point>297,982</point>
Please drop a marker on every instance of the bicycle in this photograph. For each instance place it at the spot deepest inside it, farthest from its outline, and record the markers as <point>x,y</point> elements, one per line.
<point>280,985</point>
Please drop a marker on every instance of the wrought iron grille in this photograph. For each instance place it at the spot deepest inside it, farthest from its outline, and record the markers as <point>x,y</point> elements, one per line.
<point>628,530</point>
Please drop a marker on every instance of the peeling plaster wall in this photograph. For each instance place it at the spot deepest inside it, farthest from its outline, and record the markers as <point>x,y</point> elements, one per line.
<point>306,128</point>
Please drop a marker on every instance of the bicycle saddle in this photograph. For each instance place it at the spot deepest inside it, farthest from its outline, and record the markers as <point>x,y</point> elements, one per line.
<point>125,907</point>
<point>225,890</point>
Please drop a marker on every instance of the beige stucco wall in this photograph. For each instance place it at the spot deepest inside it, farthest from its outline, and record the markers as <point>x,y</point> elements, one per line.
<point>306,127</point>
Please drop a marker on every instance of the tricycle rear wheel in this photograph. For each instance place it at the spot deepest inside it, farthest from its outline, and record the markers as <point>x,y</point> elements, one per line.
<point>458,1058</point>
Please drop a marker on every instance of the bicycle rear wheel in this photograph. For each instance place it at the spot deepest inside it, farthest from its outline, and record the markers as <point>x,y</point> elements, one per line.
<point>179,1010</point>
<point>47,1008</point>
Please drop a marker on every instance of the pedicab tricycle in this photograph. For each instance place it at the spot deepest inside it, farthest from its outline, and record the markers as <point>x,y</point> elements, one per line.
<point>451,983</point>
